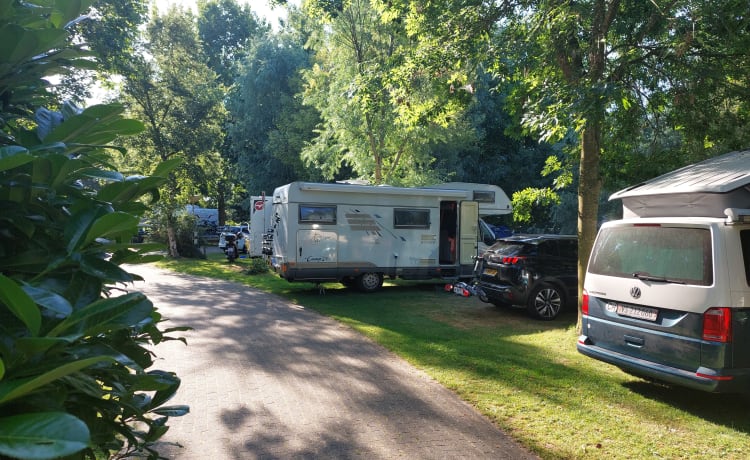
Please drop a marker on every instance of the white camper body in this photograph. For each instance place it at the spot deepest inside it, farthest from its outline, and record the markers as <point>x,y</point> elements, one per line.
<point>260,223</point>
<point>357,234</point>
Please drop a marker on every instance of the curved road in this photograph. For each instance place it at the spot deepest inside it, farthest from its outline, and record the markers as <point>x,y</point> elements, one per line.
<point>268,379</point>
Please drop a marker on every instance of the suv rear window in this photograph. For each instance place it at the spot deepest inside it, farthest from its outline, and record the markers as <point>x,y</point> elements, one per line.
<point>676,253</point>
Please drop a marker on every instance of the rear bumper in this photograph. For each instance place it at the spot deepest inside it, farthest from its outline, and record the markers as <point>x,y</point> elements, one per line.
<point>505,292</point>
<point>704,379</point>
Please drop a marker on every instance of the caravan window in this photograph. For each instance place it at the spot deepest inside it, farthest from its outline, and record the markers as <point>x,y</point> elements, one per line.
<point>411,218</point>
<point>312,214</point>
<point>484,196</point>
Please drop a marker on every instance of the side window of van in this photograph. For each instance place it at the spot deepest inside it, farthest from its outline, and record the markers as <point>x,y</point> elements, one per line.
<point>745,241</point>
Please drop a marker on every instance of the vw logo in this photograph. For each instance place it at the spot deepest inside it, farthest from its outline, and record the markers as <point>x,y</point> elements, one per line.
<point>635,292</point>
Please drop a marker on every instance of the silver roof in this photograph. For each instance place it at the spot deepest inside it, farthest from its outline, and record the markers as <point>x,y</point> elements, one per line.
<point>716,175</point>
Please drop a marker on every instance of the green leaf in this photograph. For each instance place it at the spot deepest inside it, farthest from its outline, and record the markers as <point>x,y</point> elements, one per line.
<point>20,304</point>
<point>15,388</point>
<point>14,156</point>
<point>172,411</point>
<point>103,269</point>
<point>49,300</point>
<point>165,167</point>
<point>42,435</point>
<point>103,314</point>
<point>111,225</point>
<point>77,227</point>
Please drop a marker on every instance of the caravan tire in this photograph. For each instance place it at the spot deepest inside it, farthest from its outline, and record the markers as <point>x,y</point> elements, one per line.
<point>369,282</point>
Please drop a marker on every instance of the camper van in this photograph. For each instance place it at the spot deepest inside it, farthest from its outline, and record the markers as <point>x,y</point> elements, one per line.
<point>667,289</point>
<point>260,223</point>
<point>358,234</point>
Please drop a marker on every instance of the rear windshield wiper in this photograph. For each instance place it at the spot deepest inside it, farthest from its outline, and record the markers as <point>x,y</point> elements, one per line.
<point>659,279</point>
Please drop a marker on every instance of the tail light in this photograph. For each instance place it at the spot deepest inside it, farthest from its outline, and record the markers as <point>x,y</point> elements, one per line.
<point>585,303</point>
<point>512,260</point>
<point>717,324</point>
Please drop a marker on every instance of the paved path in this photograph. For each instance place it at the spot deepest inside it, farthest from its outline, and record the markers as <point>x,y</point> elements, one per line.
<point>266,379</point>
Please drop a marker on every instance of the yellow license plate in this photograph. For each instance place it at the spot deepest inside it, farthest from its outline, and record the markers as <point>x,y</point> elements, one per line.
<point>489,272</point>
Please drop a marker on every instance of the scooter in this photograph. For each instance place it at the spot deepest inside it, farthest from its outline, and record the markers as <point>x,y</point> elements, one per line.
<point>231,249</point>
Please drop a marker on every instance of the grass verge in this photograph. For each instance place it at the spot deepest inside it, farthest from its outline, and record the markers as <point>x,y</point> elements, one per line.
<point>524,374</point>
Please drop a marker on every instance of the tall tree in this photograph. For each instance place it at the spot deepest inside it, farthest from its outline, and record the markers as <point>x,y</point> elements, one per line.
<point>577,66</point>
<point>269,125</point>
<point>353,85</point>
<point>227,30</point>
<point>180,101</point>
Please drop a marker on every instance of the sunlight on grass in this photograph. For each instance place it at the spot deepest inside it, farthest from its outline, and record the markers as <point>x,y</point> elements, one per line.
<point>525,375</point>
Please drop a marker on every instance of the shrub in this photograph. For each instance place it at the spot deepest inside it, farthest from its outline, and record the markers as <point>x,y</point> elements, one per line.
<point>75,349</point>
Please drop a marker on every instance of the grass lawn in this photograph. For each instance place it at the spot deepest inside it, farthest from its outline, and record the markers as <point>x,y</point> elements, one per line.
<point>525,375</point>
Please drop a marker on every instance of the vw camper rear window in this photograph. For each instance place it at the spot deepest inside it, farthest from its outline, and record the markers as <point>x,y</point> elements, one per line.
<point>671,254</point>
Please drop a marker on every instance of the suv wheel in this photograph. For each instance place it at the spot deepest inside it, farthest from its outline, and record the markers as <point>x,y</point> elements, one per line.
<point>545,302</point>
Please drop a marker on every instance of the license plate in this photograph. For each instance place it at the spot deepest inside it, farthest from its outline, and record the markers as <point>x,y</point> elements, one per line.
<point>644,313</point>
<point>489,272</point>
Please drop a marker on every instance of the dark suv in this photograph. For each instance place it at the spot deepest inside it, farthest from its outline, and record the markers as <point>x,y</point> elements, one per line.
<point>539,272</point>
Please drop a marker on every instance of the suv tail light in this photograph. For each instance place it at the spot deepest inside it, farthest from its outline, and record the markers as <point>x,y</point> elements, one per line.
<point>512,260</point>
<point>717,324</point>
<point>585,303</point>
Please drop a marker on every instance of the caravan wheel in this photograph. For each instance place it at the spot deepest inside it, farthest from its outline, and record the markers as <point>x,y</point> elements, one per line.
<point>369,282</point>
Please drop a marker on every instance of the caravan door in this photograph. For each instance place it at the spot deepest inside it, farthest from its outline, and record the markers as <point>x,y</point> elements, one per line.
<point>317,249</point>
<point>468,228</point>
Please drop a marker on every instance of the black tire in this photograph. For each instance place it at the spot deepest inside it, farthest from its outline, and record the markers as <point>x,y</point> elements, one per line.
<point>369,282</point>
<point>546,302</point>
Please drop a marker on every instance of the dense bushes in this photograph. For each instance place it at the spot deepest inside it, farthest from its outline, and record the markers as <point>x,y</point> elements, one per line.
<point>75,346</point>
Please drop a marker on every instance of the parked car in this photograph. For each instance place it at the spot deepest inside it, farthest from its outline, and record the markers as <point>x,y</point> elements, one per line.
<point>537,272</point>
<point>667,289</point>
<point>241,232</point>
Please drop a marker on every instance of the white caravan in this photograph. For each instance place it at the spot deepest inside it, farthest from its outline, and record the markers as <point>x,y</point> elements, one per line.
<point>357,234</point>
<point>260,223</point>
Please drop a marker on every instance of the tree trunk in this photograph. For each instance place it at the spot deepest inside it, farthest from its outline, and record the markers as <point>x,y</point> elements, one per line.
<point>172,239</point>
<point>589,188</point>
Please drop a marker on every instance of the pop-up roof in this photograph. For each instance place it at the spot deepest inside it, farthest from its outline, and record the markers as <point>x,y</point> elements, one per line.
<point>701,189</point>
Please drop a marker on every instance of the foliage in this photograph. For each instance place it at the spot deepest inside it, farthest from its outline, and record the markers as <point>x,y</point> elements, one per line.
<point>180,101</point>
<point>226,30</point>
<point>362,101</point>
<point>269,125</point>
<point>258,266</point>
<point>75,354</point>
<point>531,201</point>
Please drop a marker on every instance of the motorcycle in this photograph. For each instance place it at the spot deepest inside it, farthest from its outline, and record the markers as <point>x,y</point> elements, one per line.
<point>231,250</point>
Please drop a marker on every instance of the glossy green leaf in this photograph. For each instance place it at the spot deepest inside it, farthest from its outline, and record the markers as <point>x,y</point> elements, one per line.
<point>172,411</point>
<point>42,435</point>
<point>112,225</point>
<point>11,389</point>
<point>104,269</point>
<point>128,309</point>
<point>13,157</point>
<point>165,167</point>
<point>50,300</point>
<point>20,304</point>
